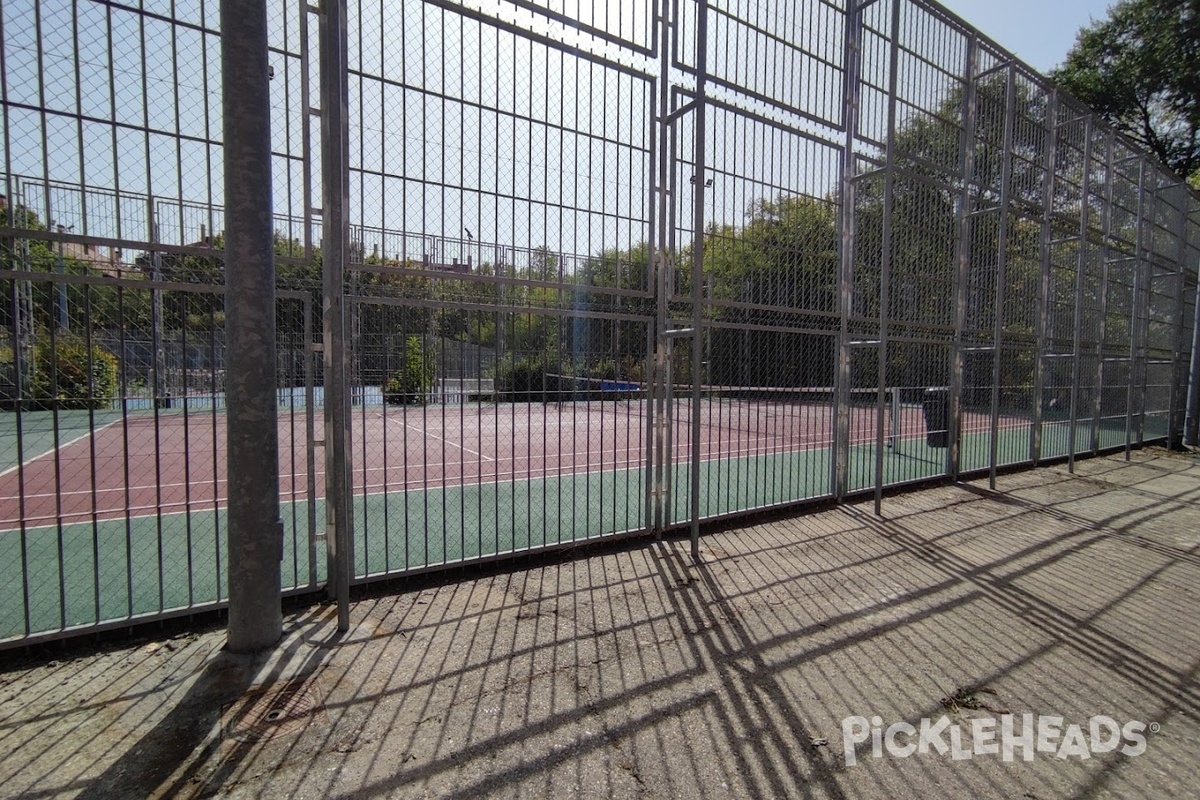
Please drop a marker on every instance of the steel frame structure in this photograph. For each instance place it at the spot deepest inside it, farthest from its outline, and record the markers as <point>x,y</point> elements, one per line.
<point>865,201</point>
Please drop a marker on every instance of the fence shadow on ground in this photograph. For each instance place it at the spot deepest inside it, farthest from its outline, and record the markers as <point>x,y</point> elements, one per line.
<point>637,671</point>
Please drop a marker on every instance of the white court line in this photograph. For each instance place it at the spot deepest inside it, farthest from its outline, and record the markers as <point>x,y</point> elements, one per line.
<point>682,459</point>
<point>749,446</point>
<point>62,446</point>
<point>447,441</point>
<point>629,465</point>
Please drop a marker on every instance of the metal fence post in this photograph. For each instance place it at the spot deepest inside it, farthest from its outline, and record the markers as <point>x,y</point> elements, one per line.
<point>156,307</point>
<point>1191,434</point>
<point>335,158</point>
<point>1134,304</point>
<point>1010,102</point>
<point>659,232</point>
<point>1175,407</point>
<point>1142,316</point>
<point>1098,376</point>
<point>963,265</point>
<point>885,265</point>
<point>840,462</point>
<point>1043,307</point>
<point>1080,270</point>
<point>698,262</point>
<point>255,528</point>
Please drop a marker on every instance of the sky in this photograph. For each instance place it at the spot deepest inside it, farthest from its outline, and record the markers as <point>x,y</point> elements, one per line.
<point>1039,32</point>
<point>492,163</point>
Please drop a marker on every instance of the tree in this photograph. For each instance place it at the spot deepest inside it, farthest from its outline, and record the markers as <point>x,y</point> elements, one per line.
<point>1140,70</point>
<point>778,270</point>
<point>410,383</point>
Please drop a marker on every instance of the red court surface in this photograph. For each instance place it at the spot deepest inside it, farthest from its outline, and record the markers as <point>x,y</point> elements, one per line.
<point>144,465</point>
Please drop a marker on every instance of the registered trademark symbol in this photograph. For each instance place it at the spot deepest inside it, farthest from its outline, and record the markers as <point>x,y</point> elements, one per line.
<point>1155,727</point>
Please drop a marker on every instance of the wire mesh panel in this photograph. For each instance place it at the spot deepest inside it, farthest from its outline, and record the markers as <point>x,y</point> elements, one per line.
<point>112,371</point>
<point>113,491</point>
<point>500,284</point>
<point>602,268</point>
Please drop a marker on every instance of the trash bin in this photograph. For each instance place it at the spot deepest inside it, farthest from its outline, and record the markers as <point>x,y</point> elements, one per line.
<point>936,405</point>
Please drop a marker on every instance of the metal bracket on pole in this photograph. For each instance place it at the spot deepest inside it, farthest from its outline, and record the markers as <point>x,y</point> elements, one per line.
<point>669,119</point>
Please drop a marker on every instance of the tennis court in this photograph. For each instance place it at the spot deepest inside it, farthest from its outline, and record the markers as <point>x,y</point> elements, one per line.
<point>129,520</point>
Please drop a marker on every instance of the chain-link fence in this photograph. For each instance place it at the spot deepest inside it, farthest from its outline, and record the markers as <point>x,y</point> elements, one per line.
<point>608,270</point>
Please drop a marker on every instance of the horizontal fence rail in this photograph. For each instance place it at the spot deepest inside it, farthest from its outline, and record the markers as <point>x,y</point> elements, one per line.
<point>598,273</point>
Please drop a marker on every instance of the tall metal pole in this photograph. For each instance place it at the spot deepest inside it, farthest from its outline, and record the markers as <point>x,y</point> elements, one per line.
<point>156,308</point>
<point>1099,376</point>
<point>1135,305</point>
<point>662,264</point>
<point>701,134</point>
<point>885,264</point>
<point>1145,291</point>
<point>1191,425</point>
<point>963,259</point>
<point>335,158</point>
<point>1080,274</point>
<point>1044,328</point>
<point>1178,391</point>
<point>840,466</point>
<point>255,527</point>
<point>1010,113</point>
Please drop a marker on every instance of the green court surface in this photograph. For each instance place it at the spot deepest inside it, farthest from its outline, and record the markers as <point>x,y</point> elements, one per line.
<point>38,436</point>
<point>145,565</point>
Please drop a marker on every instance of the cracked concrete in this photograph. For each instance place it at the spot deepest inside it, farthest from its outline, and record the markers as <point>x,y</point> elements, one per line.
<point>632,672</point>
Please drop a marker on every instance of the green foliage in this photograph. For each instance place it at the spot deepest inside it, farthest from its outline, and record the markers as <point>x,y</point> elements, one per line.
<point>532,379</point>
<point>550,378</point>
<point>410,383</point>
<point>1140,69</point>
<point>67,375</point>
<point>39,254</point>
